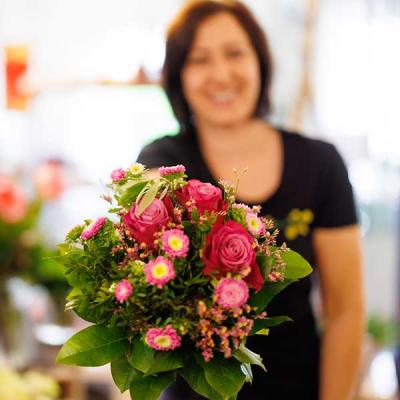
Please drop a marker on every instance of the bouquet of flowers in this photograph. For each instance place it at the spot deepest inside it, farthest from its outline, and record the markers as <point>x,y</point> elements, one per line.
<point>174,283</point>
<point>24,252</point>
<point>22,247</point>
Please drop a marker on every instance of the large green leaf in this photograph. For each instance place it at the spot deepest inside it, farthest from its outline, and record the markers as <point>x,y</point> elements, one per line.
<point>130,194</point>
<point>148,197</point>
<point>141,356</point>
<point>151,387</point>
<point>224,375</point>
<point>123,373</point>
<point>270,289</point>
<point>93,346</point>
<point>269,323</point>
<point>195,377</point>
<point>265,264</point>
<point>166,361</point>
<point>297,267</point>
<point>246,356</point>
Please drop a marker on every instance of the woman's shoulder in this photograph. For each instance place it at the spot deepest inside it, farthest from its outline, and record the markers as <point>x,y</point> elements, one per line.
<point>313,149</point>
<point>165,150</point>
<point>300,139</point>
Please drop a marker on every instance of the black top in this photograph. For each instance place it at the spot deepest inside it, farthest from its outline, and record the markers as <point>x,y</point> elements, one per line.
<point>314,192</point>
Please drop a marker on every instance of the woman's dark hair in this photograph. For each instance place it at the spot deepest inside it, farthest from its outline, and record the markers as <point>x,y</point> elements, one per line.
<point>180,36</point>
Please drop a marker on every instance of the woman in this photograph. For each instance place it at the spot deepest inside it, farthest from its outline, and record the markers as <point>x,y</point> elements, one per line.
<point>217,76</point>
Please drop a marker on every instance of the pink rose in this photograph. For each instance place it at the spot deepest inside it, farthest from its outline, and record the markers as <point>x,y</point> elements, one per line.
<point>49,180</point>
<point>229,248</point>
<point>205,196</point>
<point>156,215</point>
<point>13,203</point>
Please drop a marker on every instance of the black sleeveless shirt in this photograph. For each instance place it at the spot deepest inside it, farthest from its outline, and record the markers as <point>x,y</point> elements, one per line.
<point>314,192</point>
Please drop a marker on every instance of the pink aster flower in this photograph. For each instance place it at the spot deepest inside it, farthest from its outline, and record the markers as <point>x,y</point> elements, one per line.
<point>117,174</point>
<point>159,271</point>
<point>231,293</point>
<point>255,224</point>
<point>93,228</point>
<point>175,243</point>
<point>123,290</point>
<point>177,169</point>
<point>163,339</point>
<point>242,206</point>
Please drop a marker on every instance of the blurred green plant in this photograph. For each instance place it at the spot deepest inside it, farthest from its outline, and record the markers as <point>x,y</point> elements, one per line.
<point>384,331</point>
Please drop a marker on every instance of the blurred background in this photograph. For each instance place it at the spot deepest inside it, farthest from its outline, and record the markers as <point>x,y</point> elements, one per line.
<point>79,96</point>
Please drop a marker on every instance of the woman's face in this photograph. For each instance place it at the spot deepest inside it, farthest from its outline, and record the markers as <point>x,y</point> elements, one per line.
<point>221,78</point>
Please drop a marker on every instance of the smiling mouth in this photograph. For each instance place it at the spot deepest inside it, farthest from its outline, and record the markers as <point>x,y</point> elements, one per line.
<point>222,99</point>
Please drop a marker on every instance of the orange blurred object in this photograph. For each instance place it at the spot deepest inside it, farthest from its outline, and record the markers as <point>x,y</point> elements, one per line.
<point>16,59</point>
<point>49,180</point>
<point>13,203</point>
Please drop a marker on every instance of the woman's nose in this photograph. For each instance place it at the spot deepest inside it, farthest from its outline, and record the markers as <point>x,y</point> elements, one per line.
<point>221,70</point>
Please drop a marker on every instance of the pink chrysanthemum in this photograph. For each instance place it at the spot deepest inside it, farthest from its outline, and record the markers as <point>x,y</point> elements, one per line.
<point>231,293</point>
<point>123,290</point>
<point>117,174</point>
<point>175,243</point>
<point>255,225</point>
<point>93,228</point>
<point>159,271</point>
<point>163,339</point>
<point>177,169</point>
<point>242,206</point>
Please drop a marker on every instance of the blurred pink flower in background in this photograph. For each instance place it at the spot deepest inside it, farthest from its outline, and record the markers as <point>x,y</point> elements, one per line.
<point>13,202</point>
<point>49,180</point>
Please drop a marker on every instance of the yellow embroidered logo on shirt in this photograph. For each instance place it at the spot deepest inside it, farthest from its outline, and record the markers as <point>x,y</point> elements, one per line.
<point>298,223</point>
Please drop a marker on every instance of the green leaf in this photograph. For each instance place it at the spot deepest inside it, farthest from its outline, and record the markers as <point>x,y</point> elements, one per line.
<point>93,346</point>
<point>269,323</point>
<point>297,267</point>
<point>123,373</point>
<point>270,289</point>
<point>147,199</point>
<point>224,375</point>
<point>129,196</point>
<point>151,387</point>
<point>246,356</point>
<point>248,373</point>
<point>166,361</point>
<point>265,264</point>
<point>264,332</point>
<point>141,356</point>
<point>195,377</point>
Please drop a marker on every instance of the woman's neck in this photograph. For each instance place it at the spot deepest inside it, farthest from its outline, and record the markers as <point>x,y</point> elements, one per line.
<point>236,138</point>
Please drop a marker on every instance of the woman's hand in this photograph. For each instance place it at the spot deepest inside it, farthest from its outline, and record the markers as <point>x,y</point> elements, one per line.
<point>338,253</point>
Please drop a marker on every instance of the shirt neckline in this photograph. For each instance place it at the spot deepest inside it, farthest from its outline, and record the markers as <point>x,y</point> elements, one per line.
<point>208,177</point>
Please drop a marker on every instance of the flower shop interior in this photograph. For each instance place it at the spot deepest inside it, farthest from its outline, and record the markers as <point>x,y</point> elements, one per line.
<point>80,95</point>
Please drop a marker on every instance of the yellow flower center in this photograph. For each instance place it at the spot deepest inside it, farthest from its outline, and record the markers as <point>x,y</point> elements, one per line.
<point>137,168</point>
<point>160,270</point>
<point>254,223</point>
<point>163,341</point>
<point>175,243</point>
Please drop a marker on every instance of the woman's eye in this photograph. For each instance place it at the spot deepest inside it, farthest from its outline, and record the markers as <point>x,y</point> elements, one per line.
<point>197,60</point>
<point>235,53</point>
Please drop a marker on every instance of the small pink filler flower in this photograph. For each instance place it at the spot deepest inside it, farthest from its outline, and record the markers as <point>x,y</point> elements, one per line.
<point>175,243</point>
<point>159,271</point>
<point>163,339</point>
<point>117,174</point>
<point>177,169</point>
<point>123,290</point>
<point>255,224</point>
<point>93,228</point>
<point>231,293</point>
